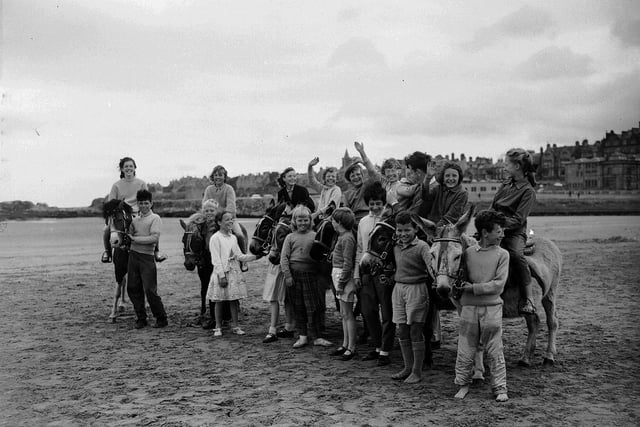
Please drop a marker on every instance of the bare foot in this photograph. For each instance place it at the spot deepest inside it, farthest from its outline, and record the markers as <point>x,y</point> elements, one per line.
<point>462,392</point>
<point>412,379</point>
<point>502,397</point>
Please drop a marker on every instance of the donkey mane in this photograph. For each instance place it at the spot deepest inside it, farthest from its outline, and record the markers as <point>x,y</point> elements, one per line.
<point>109,207</point>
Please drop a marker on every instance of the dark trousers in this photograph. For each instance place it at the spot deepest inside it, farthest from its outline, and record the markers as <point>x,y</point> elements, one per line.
<point>375,298</point>
<point>143,280</point>
<point>519,273</point>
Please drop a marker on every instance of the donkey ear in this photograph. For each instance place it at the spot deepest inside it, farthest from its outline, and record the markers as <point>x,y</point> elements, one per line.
<point>183,224</point>
<point>464,220</point>
<point>272,203</point>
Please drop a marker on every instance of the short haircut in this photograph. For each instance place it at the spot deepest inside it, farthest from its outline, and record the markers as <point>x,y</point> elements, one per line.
<point>144,195</point>
<point>418,160</point>
<point>329,170</point>
<point>298,211</point>
<point>374,191</point>
<point>404,218</point>
<point>344,217</point>
<point>211,202</point>
<point>487,219</point>
<point>390,163</point>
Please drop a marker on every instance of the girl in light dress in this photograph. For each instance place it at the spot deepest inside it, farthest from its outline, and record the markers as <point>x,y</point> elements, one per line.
<point>226,283</point>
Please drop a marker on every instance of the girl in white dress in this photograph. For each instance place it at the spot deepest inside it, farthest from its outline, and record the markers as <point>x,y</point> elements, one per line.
<point>226,283</point>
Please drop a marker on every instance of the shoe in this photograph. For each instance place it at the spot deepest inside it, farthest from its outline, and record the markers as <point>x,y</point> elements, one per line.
<point>270,338</point>
<point>238,331</point>
<point>301,342</point>
<point>283,333</point>
<point>106,257</point>
<point>527,308</point>
<point>140,323</point>
<point>160,323</point>
<point>348,355</point>
<point>338,351</point>
<point>159,257</point>
<point>322,342</point>
<point>372,355</point>
<point>211,324</point>
<point>244,267</point>
<point>217,332</point>
<point>383,360</point>
<point>502,397</point>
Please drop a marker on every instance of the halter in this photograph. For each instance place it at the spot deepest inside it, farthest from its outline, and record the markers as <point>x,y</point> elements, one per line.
<point>460,275</point>
<point>265,242</point>
<point>388,247</point>
<point>126,240</point>
<point>187,250</point>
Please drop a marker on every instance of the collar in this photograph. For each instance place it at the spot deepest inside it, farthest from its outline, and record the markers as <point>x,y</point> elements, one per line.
<point>145,215</point>
<point>479,248</point>
<point>519,183</point>
<point>408,245</point>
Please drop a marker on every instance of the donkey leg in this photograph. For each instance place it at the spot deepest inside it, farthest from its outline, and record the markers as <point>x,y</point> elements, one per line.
<point>533,324</point>
<point>548,302</point>
<point>122,305</point>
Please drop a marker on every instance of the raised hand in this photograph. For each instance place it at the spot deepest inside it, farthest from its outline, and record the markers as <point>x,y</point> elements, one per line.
<point>314,161</point>
<point>360,147</point>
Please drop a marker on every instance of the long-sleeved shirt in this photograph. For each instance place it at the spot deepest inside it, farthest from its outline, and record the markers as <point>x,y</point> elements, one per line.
<point>327,194</point>
<point>344,255</point>
<point>487,269</point>
<point>148,226</point>
<point>299,195</point>
<point>515,199</point>
<point>412,260</point>
<point>127,189</point>
<point>445,205</point>
<point>225,195</point>
<point>353,197</point>
<point>296,253</point>
<point>365,227</point>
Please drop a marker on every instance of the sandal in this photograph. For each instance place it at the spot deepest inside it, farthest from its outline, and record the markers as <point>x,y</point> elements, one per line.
<point>106,257</point>
<point>238,331</point>
<point>270,338</point>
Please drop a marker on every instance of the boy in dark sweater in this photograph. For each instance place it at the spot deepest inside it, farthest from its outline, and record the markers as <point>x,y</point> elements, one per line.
<point>481,315</point>
<point>410,298</point>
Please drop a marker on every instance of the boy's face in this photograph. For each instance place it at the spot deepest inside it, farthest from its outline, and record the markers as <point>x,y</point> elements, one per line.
<point>406,233</point>
<point>376,206</point>
<point>144,206</point>
<point>392,174</point>
<point>493,237</point>
<point>303,223</point>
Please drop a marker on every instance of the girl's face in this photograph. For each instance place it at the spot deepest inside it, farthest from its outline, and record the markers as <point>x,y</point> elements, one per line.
<point>218,178</point>
<point>356,177</point>
<point>290,178</point>
<point>128,169</point>
<point>226,223</point>
<point>303,223</point>
<point>209,211</point>
<point>330,179</point>
<point>512,169</point>
<point>451,177</point>
<point>392,175</point>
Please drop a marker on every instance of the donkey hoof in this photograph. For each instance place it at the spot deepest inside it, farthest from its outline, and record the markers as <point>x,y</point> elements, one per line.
<point>548,362</point>
<point>524,363</point>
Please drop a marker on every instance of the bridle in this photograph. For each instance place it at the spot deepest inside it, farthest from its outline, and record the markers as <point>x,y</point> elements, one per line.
<point>188,250</point>
<point>382,256</point>
<point>126,221</point>
<point>442,269</point>
<point>326,249</point>
<point>265,243</point>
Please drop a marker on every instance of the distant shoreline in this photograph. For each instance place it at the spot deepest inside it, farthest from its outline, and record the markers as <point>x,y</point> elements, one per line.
<point>546,205</point>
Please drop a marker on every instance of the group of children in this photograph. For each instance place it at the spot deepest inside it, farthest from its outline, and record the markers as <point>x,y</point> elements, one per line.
<point>400,304</point>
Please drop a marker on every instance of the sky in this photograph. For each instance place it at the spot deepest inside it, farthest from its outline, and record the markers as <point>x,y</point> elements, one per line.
<point>182,86</point>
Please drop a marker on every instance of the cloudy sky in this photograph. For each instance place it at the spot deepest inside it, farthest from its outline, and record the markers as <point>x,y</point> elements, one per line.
<point>184,85</point>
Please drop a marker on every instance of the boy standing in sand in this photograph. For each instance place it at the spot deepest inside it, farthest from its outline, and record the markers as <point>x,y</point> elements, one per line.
<point>481,315</point>
<point>410,297</point>
<point>142,274</point>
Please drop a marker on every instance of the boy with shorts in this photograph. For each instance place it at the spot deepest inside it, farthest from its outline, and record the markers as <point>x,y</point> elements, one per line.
<point>142,274</point>
<point>481,315</point>
<point>410,298</point>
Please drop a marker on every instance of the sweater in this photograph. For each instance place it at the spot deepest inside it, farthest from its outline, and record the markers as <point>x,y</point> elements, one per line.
<point>126,189</point>
<point>142,226</point>
<point>225,195</point>
<point>296,253</point>
<point>344,255</point>
<point>412,260</point>
<point>487,269</point>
